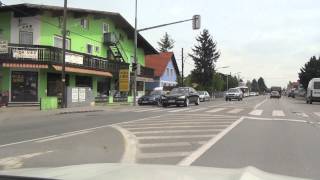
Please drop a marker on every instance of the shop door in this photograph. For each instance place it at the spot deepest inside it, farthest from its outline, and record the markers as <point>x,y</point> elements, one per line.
<point>24,86</point>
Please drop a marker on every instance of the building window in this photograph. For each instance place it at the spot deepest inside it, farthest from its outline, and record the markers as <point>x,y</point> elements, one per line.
<point>89,48</point>
<point>97,49</point>
<point>25,37</point>
<point>171,70</point>
<point>57,42</point>
<point>168,72</point>
<point>83,81</point>
<point>105,28</point>
<point>84,23</point>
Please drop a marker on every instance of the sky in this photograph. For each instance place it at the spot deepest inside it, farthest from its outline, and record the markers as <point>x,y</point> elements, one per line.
<point>272,39</point>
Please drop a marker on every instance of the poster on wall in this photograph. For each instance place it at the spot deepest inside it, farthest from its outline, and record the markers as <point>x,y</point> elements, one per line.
<point>25,53</point>
<point>124,80</point>
<point>74,58</point>
<point>3,47</point>
<point>82,94</point>
<point>75,95</point>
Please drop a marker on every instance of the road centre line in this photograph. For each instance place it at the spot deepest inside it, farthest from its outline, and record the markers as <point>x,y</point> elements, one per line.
<point>94,128</point>
<point>196,154</point>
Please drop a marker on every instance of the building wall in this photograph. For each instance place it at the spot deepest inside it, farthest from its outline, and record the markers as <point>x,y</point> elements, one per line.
<point>5,24</point>
<point>29,24</point>
<point>5,79</point>
<point>169,78</point>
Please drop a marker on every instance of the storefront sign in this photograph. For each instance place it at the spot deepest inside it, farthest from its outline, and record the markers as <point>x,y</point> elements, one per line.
<point>3,47</point>
<point>75,95</point>
<point>82,94</point>
<point>25,53</point>
<point>74,58</point>
<point>124,80</point>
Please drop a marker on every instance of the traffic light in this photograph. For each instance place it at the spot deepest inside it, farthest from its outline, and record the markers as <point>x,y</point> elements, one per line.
<point>134,66</point>
<point>196,22</point>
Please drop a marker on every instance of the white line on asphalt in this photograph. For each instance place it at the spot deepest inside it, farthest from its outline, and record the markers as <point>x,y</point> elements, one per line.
<point>144,110</point>
<point>200,109</point>
<point>195,116</point>
<point>216,110</point>
<point>317,113</point>
<point>277,113</point>
<point>162,155</point>
<point>259,104</point>
<point>176,136</point>
<point>178,127</point>
<point>275,119</point>
<point>172,144</point>
<point>94,128</point>
<point>219,105</point>
<point>196,154</point>
<point>234,111</point>
<point>177,131</point>
<point>184,120</point>
<point>302,114</point>
<point>256,112</point>
<point>179,110</point>
<point>166,124</point>
<point>159,110</point>
<point>62,136</point>
<point>131,151</point>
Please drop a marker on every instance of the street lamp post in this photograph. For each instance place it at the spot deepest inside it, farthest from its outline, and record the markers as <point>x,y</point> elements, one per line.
<point>63,73</point>
<point>196,23</point>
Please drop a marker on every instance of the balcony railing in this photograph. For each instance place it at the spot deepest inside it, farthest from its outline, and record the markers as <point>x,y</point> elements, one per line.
<point>53,55</point>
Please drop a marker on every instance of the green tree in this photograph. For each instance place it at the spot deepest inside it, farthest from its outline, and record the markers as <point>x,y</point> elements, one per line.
<point>310,70</point>
<point>166,43</point>
<point>204,55</point>
<point>218,82</point>
<point>254,86</point>
<point>261,85</point>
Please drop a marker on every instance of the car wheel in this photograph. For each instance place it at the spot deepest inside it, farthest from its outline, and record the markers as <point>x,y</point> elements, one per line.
<point>310,101</point>
<point>186,102</point>
<point>197,102</point>
<point>178,105</point>
<point>164,105</point>
<point>238,99</point>
<point>159,103</point>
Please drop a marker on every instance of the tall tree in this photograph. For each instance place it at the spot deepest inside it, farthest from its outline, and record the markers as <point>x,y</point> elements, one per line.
<point>310,70</point>
<point>254,86</point>
<point>204,55</point>
<point>261,84</point>
<point>166,43</point>
<point>218,82</point>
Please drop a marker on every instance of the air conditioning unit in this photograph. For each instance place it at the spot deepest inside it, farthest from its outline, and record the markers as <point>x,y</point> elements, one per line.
<point>110,38</point>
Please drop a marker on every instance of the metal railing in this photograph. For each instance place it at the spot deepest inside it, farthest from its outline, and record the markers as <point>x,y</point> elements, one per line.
<point>53,55</point>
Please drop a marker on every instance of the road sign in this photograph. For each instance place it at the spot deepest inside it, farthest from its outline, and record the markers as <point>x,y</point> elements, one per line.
<point>124,80</point>
<point>3,47</point>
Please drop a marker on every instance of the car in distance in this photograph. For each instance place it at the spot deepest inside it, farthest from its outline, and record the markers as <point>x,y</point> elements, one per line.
<point>234,93</point>
<point>204,96</point>
<point>152,98</point>
<point>181,96</point>
<point>313,91</point>
<point>252,94</point>
<point>275,94</point>
<point>291,94</point>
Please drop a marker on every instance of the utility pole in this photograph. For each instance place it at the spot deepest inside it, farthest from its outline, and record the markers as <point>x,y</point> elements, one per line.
<point>182,68</point>
<point>227,82</point>
<point>63,73</point>
<point>135,55</point>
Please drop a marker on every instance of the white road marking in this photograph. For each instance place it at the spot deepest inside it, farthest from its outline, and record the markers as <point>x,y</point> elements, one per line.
<point>216,110</point>
<point>196,154</point>
<point>172,144</point>
<point>162,155</point>
<point>184,120</point>
<point>177,127</point>
<point>256,112</point>
<point>302,114</point>
<point>317,113</point>
<point>168,124</point>
<point>61,136</point>
<point>177,131</point>
<point>179,110</point>
<point>144,110</point>
<point>277,113</point>
<point>176,136</point>
<point>196,110</point>
<point>159,110</point>
<point>235,111</point>
<point>259,104</point>
<point>17,161</point>
<point>275,119</point>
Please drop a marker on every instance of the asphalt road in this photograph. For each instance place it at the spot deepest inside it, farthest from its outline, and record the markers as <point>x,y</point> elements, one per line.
<point>275,135</point>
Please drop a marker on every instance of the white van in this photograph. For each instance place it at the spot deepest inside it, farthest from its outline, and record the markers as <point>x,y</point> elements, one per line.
<point>313,91</point>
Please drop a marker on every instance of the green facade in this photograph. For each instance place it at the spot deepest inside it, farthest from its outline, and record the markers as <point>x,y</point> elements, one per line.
<point>5,24</point>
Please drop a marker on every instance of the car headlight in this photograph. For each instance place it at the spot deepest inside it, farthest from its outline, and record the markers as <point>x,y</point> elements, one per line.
<point>181,97</point>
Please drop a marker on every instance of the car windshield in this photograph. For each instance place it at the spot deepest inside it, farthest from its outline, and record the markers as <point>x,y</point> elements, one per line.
<point>156,93</point>
<point>179,91</point>
<point>233,90</point>
<point>188,83</point>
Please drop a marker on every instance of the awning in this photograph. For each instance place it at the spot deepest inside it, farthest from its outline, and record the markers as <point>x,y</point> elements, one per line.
<point>23,65</point>
<point>83,71</point>
<point>145,79</point>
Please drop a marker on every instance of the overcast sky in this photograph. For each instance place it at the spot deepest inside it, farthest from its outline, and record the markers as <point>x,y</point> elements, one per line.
<point>268,38</point>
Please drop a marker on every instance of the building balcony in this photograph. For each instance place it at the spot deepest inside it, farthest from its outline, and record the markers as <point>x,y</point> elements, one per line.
<point>38,54</point>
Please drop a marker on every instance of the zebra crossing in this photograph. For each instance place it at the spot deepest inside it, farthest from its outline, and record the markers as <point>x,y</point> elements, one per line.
<point>171,138</point>
<point>222,110</point>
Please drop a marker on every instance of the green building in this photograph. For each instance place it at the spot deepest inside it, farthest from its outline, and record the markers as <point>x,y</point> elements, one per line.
<point>98,44</point>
